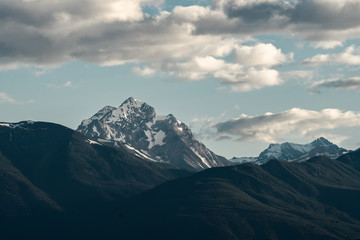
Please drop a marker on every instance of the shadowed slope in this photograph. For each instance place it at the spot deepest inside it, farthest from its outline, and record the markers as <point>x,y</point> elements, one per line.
<point>278,200</point>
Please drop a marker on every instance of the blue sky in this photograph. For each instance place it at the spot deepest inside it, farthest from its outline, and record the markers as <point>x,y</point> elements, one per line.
<point>242,74</point>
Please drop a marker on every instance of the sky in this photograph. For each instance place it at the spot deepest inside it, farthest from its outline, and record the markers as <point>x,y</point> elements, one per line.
<point>241,73</point>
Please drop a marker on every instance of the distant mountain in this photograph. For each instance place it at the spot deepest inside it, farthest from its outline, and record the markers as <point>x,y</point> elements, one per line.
<point>293,152</point>
<point>162,139</point>
<point>241,160</point>
<point>300,152</point>
<point>277,200</point>
<point>45,165</point>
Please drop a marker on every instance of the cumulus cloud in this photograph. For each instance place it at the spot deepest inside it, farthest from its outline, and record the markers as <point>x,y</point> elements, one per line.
<point>351,56</point>
<point>272,127</point>
<point>4,98</point>
<point>349,83</point>
<point>190,43</point>
<point>260,55</point>
<point>114,32</point>
<point>240,78</point>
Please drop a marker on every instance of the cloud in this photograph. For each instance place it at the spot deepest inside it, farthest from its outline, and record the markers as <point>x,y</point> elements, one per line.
<point>4,98</point>
<point>146,71</point>
<point>180,42</point>
<point>327,44</point>
<point>349,83</point>
<point>272,127</point>
<point>351,56</point>
<point>260,55</point>
<point>312,20</point>
<point>298,75</point>
<point>65,85</point>
<point>68,84</point>
<point>240,78</point>
<point>47,34</point>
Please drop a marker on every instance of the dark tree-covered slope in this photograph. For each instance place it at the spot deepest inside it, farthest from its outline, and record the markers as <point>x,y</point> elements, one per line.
<point>318,199</point>
<point>52,176</point>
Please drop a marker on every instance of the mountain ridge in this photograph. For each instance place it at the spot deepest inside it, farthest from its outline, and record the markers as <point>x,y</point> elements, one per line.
<point>277,200</point>
<point>294,152</point>
<point>64,168</point>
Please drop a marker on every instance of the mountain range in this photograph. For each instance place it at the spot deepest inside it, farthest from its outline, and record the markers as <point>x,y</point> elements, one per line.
<point>158,138</point>
<point>56,183</point>
<point>293,152</point>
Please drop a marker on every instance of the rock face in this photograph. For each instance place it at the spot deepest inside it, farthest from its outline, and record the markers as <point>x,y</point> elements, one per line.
<point>164,139</point>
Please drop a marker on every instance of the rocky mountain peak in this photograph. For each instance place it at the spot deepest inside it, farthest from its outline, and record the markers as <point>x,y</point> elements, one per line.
<point>321,142</point>
<point>160,138</point>
<point>133,110</point>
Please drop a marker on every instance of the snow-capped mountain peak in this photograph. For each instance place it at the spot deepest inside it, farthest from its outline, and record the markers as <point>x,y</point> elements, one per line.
<point>300,152</point>
<point>293,152</point>
<point>163,138</point>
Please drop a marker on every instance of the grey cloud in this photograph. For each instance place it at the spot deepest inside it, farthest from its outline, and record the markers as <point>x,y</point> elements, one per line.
<point>313,20</point>
<point>262,11</point>
<point>328,14</point>
<point>350,83</point>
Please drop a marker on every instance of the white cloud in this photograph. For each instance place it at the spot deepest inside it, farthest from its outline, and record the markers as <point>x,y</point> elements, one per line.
<point>350,56</point>
<point>272,127</point>
<point>65,85</point>
<point>4,98</point>
<point>327,44</point>
<point>146,71</point>
<point>240,78</point>
<point>260,55</point>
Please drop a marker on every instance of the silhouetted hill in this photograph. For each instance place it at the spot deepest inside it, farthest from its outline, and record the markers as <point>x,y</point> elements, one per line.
<point>351,158</point>
<point>279,200</point>
<point>52,177</point>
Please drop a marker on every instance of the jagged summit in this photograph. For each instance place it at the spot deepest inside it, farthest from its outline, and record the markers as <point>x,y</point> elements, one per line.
<point>160,138</point>
<point>132,101</point>
<point>321,142</point>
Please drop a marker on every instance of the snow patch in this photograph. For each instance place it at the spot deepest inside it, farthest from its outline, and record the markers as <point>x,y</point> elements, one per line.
<point>5,124</point>
<point>93,142</point>
<point>104,140</point>
<point>95,130</point>
<point>201,158</point>
<point>139,154</point>
<point>155,138</point>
